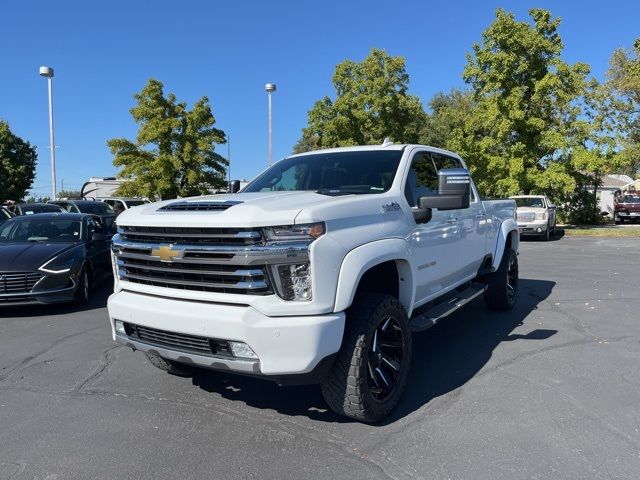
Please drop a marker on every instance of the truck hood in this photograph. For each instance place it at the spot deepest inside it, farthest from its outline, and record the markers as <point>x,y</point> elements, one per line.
<point>226,210</point>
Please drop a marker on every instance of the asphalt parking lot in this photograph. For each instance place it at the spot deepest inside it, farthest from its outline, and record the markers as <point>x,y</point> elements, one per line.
<point>550,390</point>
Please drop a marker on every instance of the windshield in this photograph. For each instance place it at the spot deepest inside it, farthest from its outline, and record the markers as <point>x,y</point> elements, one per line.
<point>97,208</point>
<point>135,203</point>
<point>31,209</point>
<point>530,202</point>
<point>331,173</point>
<point>630,199</point>
<point>35,229</point>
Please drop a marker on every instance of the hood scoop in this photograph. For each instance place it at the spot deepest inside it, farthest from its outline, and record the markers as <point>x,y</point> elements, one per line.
<point>199,206</point>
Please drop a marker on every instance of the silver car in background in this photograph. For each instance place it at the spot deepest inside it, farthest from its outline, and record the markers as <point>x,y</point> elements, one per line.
<point>536,215</point>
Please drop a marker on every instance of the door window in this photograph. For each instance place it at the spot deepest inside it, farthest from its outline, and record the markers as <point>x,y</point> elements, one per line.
<point>443,161</point>
<point>422,179</point>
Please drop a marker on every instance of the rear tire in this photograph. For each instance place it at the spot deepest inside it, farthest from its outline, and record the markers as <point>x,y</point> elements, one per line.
<point>502,285</point>
<point>169,366</point>
<point>371,368</point>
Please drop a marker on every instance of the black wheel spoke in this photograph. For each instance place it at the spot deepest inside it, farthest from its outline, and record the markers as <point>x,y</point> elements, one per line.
<point>391,362</point>
<point>380,374</point>
<point>384,362</point>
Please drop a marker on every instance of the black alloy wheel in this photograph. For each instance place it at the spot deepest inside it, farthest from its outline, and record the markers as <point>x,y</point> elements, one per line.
<point>512,279</point>
<point>384,359</point>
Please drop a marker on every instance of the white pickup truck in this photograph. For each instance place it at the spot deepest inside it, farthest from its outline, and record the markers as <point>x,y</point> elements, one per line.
<point>317,272</point>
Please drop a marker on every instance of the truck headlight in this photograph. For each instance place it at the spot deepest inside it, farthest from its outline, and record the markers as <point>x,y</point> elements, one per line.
<point>293,281</point>
<point>541,216</point>
<point>306,231</point>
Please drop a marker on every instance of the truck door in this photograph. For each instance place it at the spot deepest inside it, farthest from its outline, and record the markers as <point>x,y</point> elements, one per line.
<point>434,244</point>
<point>472,224</point>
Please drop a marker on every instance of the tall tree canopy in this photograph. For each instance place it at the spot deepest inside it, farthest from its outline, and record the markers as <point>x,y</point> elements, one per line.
<point>174,152</point>
<point>371,103</point>
<point>527,107</point>
<point>17,165</point>
<point>624,81</point>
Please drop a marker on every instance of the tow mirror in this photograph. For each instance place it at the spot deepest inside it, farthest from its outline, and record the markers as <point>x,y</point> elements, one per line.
<point>454,191</point>
<point>98,237</point>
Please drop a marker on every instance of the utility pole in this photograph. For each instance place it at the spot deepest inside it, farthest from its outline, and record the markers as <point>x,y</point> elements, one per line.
<point>47,72</point>
<point>270,88</point>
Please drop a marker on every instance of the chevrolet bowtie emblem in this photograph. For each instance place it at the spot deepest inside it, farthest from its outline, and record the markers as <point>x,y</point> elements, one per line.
<point>166,253</point>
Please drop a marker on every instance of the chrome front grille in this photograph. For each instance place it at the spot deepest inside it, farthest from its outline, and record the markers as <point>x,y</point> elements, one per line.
<point>18,282</point>
<point>139,266</point>
<point>526,216</point>
<point>222,260</point>
<point>209,236</point>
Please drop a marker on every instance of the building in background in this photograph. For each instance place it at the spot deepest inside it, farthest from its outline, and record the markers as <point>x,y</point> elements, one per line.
<point>100,187</point>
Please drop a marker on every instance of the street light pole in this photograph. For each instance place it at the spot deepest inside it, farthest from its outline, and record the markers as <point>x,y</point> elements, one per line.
<point>48,73</point>
<point>270,88</point>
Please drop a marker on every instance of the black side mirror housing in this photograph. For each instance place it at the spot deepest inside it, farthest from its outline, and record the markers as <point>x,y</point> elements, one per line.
<point>98,237</point>
<point>234,187</point>
<point>454,191</point>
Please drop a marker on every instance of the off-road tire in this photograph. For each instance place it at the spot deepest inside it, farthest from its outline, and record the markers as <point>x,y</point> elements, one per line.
<point>174,368</point>
<point>347,388</point>
<point>502,290</point>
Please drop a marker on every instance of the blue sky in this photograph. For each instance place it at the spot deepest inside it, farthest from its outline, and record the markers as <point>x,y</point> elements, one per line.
<point>104,52</point>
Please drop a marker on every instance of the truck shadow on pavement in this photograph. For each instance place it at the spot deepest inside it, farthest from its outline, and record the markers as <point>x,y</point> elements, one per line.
<point>444,358</point>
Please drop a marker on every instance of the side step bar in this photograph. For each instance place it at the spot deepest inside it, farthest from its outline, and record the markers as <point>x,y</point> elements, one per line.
<point>424,320</point>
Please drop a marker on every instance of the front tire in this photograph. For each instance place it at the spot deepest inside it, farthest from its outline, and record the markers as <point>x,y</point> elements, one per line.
<point>83,292</point>
<point>502,285</point>
<point>371,368</point>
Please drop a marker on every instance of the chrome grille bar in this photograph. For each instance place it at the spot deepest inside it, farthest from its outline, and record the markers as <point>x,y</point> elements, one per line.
<point>23,282</point>
<point>207,260</point>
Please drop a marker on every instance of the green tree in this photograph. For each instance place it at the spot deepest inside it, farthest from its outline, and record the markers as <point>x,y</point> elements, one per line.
<point>174,152</point>
<point>526,118</point>
<point>623,80</point>
<point>371,104</point>
<point>17,165</point>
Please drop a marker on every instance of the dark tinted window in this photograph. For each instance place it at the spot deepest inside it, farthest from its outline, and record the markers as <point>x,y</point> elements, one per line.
<point>97,208</point>
<point>422,179</point>
<point>336,172</point>
<point>530,202</point>
<point>44,208</point>
<point>443,161</point>
<point>37,229</point>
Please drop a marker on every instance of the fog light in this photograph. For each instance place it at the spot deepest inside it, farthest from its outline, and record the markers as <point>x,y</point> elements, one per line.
<point>539,230</point>
<point>120,330</point>
<point>242,350</point>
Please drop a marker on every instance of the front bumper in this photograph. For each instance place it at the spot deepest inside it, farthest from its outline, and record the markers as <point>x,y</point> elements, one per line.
<point>46,297</point>
<point>537,227</point>
<point>628,215</point>
<point>284,345</point>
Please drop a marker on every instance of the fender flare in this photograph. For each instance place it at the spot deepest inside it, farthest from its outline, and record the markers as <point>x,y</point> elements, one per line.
<point>363,258</point>
<point>506,228</point>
